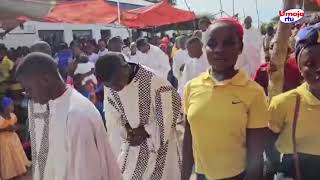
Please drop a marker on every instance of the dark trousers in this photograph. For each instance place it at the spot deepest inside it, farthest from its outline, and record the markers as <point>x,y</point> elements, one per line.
<point>238,177</point>
<point>309,166</point>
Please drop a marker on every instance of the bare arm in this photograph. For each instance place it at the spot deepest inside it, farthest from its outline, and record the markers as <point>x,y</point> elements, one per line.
<point>256,144</point>
<point>187,153</point>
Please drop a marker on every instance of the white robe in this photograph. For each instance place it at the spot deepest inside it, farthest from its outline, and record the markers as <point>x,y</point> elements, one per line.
<point>156,60</point>
<point>192,69</point>
<point>102,53</point>
<point>250,59</point>
<point>154,103</point>
<point>69,141</point>
<point>93,58</point>
<point>180,59</point>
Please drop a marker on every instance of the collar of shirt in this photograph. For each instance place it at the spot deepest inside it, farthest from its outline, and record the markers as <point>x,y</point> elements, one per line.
<point>303,91</point>
<point>240,79</point>
<point>62,97</point>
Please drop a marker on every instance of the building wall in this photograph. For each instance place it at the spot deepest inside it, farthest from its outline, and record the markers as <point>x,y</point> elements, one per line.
<point>29,35</point>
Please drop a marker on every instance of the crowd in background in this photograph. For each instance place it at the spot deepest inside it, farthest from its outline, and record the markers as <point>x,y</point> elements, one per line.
<point>185,59</point>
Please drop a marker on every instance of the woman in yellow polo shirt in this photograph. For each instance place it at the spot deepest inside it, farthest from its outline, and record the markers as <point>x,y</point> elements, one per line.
<point>295,117</point>
<point>226,112</point>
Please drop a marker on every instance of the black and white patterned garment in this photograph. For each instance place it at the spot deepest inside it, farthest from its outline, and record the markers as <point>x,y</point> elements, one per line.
<point>154,103</point>
<point>69,141</point>
<point>39,154</point>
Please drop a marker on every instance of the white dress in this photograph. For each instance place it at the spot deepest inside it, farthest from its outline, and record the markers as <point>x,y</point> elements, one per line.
<point>69,141</point>
<point>153,103</point>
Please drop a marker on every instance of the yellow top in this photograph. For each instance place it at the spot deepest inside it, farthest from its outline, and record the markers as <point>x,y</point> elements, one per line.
<point>4,123</point>
<point>6,65</point>
<point>219,114</point>
<point>307,133</point>
<point>174,51</point>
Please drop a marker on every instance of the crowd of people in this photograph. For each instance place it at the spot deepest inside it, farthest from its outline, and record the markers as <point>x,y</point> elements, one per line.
<point>90,105</point>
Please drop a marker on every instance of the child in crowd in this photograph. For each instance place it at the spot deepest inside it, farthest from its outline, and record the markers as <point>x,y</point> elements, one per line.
<point>13,160</point>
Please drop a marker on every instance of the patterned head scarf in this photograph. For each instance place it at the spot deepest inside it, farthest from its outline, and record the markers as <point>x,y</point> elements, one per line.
<point>5,102</point>
<point>307,36</point>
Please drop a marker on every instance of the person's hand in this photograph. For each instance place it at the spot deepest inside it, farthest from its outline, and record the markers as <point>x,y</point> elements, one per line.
<point>137,136</point>
<point>272,68</point>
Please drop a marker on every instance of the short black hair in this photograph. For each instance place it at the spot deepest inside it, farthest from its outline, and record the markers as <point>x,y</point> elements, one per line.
<point>142,42</point>
<point>108,65</point>
<point>3,47</point>
<point>102,40</point>
<point>41,46</point>
<point>193,39</point>
<point>115,40</point>
<point>37,64</point>
<point>204,19</point>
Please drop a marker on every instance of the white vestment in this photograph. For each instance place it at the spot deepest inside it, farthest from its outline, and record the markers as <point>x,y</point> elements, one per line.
<point>102,53</point>
<point>192,69</point>
<point>93,58</point>
<point>69,141</point>
<point>151,102</point>
<point>179,60</point>
<point>250,59</point>
<point>156,60</point>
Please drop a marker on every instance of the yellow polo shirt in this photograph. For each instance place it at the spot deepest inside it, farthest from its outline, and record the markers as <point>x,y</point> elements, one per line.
<point>219,114</point>
<point>307,133</point>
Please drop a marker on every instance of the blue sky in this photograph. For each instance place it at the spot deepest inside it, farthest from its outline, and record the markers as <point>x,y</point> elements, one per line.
<point>267,8</point>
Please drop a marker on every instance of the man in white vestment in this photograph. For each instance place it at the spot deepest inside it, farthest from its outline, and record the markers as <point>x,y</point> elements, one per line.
<point>102,48</point>
<point>143,108</point>
<point>250,58</point>
<point>181,57</point>
<point>204,24</point>
<point>115,44</point>
<point>197,65</point>
<point>153,57</point>
<point>69,141</point>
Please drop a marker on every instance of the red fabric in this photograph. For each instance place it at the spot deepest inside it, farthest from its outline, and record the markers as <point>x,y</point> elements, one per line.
<point>317,2</point>
<point>23,18</point>
<point>262,76</point>
<point>84,12</point>
<point>155,15</point>
<point>292,75</point>
<point>233,22</point>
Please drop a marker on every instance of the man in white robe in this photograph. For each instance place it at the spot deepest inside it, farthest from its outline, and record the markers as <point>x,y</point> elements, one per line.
<point>197,65</point>
<point>143,108</point>
<point>102,48</point>
<point>68,138</point>
<point>181,58</point>
<point>115,44</point>
<point>204,24</point>
<point>250,58</point>
<point>153,57</point>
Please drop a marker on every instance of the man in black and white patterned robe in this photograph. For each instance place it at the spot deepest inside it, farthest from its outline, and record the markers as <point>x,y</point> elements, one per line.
<point>141,113</point>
